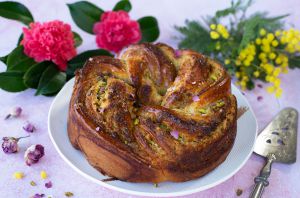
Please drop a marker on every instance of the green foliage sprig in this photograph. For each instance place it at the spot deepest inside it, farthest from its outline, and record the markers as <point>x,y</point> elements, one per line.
<point>250,47</point>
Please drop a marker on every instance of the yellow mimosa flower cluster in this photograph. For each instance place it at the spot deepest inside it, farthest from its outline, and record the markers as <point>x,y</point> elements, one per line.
<point>244,60</point>
<point>264,58</point>
<point>273,59</point>
<point>290,38</point>
<point>247,55</point>
<point>218,31</point>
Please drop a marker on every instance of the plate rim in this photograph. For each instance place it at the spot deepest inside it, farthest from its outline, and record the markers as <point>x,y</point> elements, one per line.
<point>149,194</point>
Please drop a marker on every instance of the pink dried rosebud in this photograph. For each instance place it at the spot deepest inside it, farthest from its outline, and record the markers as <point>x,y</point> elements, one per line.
<point>178,53</point>
<point>14,112</point>
<point>175,134</point>
<point>29,127</point>
<point>38,195</point>
<point>48,184</point>
<point>33,154</point>
<point>259,98</point>
<point>196,98</point>
<point>10,144</point>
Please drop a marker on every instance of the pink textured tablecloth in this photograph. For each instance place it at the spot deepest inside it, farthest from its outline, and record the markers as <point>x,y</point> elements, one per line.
<point>284,181</point>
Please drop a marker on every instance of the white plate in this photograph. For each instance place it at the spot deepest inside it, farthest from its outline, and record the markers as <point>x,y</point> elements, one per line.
<point>241,151</point>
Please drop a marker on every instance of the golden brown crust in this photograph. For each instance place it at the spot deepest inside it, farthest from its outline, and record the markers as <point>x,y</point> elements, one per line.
<point>153,115</point>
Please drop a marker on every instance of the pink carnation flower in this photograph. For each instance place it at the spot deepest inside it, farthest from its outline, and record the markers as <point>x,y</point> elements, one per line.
<point>52,41</point>
<point>116,31</point>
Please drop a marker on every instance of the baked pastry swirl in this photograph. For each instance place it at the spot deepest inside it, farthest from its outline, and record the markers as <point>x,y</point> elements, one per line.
<point>153,114</point>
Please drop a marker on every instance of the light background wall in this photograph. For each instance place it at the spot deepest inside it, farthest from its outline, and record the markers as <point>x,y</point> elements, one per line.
<point>168,13</point>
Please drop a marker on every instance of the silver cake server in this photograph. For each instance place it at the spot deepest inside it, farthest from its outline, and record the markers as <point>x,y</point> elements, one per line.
<point>278,143</point>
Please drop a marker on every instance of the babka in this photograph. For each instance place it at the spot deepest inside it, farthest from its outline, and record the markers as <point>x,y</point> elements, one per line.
<point>153,114</point>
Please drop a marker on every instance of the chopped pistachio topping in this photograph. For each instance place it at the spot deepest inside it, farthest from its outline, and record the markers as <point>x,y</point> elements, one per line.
<point>163,126</point>
<point>220,103</point>
<point>239,192</point>
<point>69,194</point>
<point>32,183</point>
<point>153,143</point>
<point>203,111</point>
<point>180,139</point>
<point>213,77</point>
<point>102,83</point>
<point>136,121</point>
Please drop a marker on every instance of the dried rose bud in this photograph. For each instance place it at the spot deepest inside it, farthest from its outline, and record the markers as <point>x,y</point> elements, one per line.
<point>48,184</point>
<point>38,195</point>
<point>14,112</point>
<point>29,127</point>
<point>10,144</point>
<point>175,134</point>
<point>33,154</point>
<point>178,53</point>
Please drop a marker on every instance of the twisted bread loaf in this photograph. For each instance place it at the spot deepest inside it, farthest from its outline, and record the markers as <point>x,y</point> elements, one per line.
<point>153,114</point>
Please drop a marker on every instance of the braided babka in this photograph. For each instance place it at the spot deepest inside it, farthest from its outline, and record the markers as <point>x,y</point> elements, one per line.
<point>153,114</point>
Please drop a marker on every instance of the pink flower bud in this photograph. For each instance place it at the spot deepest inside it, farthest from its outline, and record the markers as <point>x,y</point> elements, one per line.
<point>196,98</point>
<point>178,53</point>
<point>38,196</point>
<point>10,144</point>
<point>33,154</point>
<point>48,184</point>
<point>175,134</point>
<point>14,112</point>
<point>29,128</point>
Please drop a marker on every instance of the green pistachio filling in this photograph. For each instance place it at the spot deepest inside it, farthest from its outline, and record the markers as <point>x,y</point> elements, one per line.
<point>203,111</point>
<point>136,121</point>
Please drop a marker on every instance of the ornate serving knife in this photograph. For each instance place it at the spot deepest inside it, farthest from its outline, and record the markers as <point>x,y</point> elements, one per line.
<point>278,143</point>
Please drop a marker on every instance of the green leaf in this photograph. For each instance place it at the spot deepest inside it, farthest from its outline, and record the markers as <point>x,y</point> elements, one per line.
<point>20,39</point>
<point>34,73</point>
<point>149,28</point>
<point>123,5</point>
<point>18,61</point>
<point>195,37</point>
<point>12,81</point>
<point>250,85</point>
<point>85,15</point>
<point>15,11</point>
<point>77,39</point>
<point>249,31</point>
<point>253,24</point>
<point>294,62</point>
<point>234,8</point>
<point>272,24</point>
<point>51,81</point>
<point>3,59</point>
<point>78,61</point>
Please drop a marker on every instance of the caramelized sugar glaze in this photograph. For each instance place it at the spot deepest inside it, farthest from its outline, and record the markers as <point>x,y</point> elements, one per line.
<point>125,111</point>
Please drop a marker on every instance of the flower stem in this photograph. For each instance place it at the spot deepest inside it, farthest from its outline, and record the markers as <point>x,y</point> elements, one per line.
<point>8,116</point>
<point>22,137</point>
